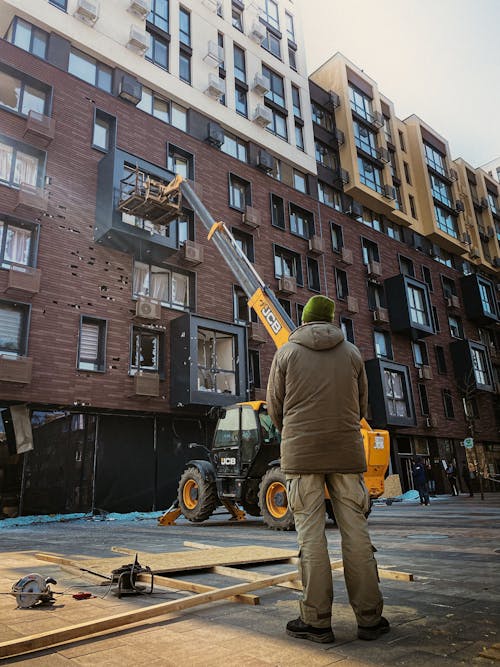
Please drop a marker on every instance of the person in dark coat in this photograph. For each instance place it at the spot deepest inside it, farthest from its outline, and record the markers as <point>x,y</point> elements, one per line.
<point>466,478</point>
<point>420,481</point>
<point>452,479</point>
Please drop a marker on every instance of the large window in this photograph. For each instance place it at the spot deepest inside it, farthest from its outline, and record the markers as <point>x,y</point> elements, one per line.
<point>299,181</point>
<point>239,193</point>
<point>92,344</point>
<point>146,350</point>
<point>364,139</point>
<point>480,365</point>
<point>440,359</point>
<point>328,196</point>
<point>322,117</point>
<point>360,103</point>
<point>435,159</point>
<point>270,13</point>
<point>455,325</point>
<point>14,319</point>
<point>19,95</point>
<point>234,146</point>
<point>396,399</point>
<point>337,237</point>
<point>17,244</point>
<point>341,284</point>
<point>245,243</point>
<point>169,287</point>
<point>382,344</point>
<point>325,155</point>
<point>301,221</point>
<point>370,175</point>
<point>163,109</point>
<point>277,212</point>
<point>19,163</point>
<point>272,43</point>
<point>287,264</point>
<point>28,37</point>
<point>216,361</point>
<point>239,64</point>
<point>449,410</point>
<point>90,70</point>
<point>184,26</point>
<point>370,251</point>
<point>276,92</point>
<point>347,327</point>
<point>157,52</point>
<point>158,15</point>
<point>487,297</point>
<point>446,221</point>
<point>180,162</point>
<point>418,306</point>
<point>237,18</point>
<point>440,190</point>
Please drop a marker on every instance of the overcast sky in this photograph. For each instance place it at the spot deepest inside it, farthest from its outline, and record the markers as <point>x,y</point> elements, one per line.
<point>438,59</point>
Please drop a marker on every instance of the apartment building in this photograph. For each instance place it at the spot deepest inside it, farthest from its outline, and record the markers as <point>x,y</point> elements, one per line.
<point>120,333</point>
<point>492,168</point>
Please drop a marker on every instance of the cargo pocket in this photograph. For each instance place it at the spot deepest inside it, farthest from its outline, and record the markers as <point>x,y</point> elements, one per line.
<point>293,493</point>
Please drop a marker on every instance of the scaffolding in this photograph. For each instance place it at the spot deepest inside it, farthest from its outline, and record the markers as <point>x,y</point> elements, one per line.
<point>149,198</point>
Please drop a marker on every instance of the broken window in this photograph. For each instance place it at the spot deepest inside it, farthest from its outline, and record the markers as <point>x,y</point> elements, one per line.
<point>216,361</point>
<point>169,287</point>
<point>394,382</point>
<point>146,347</point>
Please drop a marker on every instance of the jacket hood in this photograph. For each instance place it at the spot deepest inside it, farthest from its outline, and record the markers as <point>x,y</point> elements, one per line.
<point>317,335</point>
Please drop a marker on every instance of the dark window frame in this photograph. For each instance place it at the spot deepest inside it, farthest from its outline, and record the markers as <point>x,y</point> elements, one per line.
<point>439,353</point>
<point>35,32</point>
<point>16,145</point>
<point>336,230</point>
<point>423,400</point>
<point>387,343</point>
<point>277,211</point>
<point>448,407</point>
<point>34,229</point>
<point>234,179</point>
<point>313,281</point>
<point>281,252</point>
<point>25,308</point>
<point>349,328</point>
<point>341,278</point>
<point>173,150</point>
<point>307,217</point>
<point>110,120</point>
<point>99,70</point>
<point>102,323</point>
<point>133,370</point>
<point>26,81</point>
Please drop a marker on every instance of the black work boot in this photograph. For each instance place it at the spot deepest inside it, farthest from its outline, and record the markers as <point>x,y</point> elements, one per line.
<point>301,630</point>
<point>374,631</point>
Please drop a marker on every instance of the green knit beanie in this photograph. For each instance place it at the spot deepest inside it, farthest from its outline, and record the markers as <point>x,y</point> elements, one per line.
<point>318,309</point>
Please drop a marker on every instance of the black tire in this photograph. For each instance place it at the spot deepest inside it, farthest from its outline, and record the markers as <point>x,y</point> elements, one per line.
<point>329,511</point>
<point>251,508</point>
<point>273,502</point>
<point>197,497</point>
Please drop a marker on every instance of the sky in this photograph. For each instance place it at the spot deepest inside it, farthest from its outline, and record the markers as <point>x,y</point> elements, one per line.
<point>438,59</point>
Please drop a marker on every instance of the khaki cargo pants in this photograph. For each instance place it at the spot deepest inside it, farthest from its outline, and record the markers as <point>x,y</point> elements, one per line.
<point>350,500</point>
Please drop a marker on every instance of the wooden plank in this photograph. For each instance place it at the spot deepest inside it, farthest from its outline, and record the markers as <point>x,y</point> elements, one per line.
<point>248,575</point>
<point>79,631</point>
<point>194,587</point>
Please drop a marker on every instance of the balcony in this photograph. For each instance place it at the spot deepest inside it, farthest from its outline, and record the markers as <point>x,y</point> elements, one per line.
<point>15,369</point>
<point>472,366</point>
<point>23,279</point>
<point>146,384</point>
<point>389,394</point>
<point>39,128</point>
<point>409,306</point>
<point>31,199</point>
<point>479,299</point>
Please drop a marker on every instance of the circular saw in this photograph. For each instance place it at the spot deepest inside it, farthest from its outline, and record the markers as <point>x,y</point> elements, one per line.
<point>33,589</point>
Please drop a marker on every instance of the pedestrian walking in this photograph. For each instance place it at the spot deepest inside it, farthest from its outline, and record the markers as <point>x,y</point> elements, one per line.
<point>467,479</point>
<point>420,480</point>
<point>452,479</point>
<point>316,395</point>
<point>431,480</point>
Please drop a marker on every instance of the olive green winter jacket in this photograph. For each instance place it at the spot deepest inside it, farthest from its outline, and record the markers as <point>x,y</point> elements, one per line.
<point>316,394</point>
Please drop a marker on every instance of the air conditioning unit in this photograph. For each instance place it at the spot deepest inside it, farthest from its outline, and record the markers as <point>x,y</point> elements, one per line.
<point>430,422</point>
<point>260,84</point>
<point>424,373</point>
<point>339,137</point>
<point>147,308</point>
<point>389,191</point>
<point>130,89</point>
<point>484,202</point>
<point>138,40</point>
<point>257,32</point>
<point>287,285</point>
<point>452,174</point>
<point>452,301</point>
<point>215,136</point>
<point>374,269</point>
<point>354,209</point>
<point>215,54</point>
<point>140,7</point>
<point>216,87</point>
<point>210,4</point>
<point>251,217</point>
<point>257,333</point>
<point>316,245</point>
<point>383,154</point>
<point>146,384</point>
<point>262,115</point>
<point>265,161</point>
<point>192,253</point>
<point>474,252</point>
<point>381,316</point>
<point>15,369</point>
<point>87,11</point>
<point>459,206</point>
<point>352,305</point>
<point>347,256</point>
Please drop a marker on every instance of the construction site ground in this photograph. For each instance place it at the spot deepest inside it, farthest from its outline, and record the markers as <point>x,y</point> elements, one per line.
<point>449,615</point>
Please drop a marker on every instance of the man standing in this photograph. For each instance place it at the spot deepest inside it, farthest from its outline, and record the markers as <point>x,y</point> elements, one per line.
<point>316,395</point>
<point>420,481</point>
<point>466,478</point>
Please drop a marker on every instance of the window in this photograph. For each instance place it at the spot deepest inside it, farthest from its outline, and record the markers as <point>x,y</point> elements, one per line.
<point>456,329</point>
<point>480,365</point>
<point>371,219</point>
<point>376,296</point>
<point>365,140</point>
<point>382,344</point>
<point>163,109</point>
<point>341,284</point>
<point>328,196</point>
<point>292,57</point>
<point>449,287</point>
<point>449,411</point>
<point>20,163</point>
<point>270,13</point>
<point>337,237</point>
<point>277,212</point>
<point>180,162</point>
<point>440,359</point>
<point>493,202</point>
<point>406,168</point>
<point>427,276</point>
<point>21,94</point>
<point>446,221</point>
<point>17,243</point>
<point>234,146</point>
<point>147,350</point>
<point>424,401</point>
<point>184,26</point>
<point>413,208</point>
<point>360,103</point>
<point>370,175</point>
<point>347,327</point>
<point>392,230</point>
<point>396,393</point>
<point>61,4</point>
<point>299,136</point>
<point>90,70</point>
<point>420,356</point>
<point>28,37</point>
<point>290,29</point>
<point>185,67</point>
<point>276,92</point>
<point>239,64</point>
<point>239,193</point>
<point>301,222</point>
<point>157,52</point>
<point>435,319</point>
<point>242,314</point>
<point>254,369</point>
<point>168,286</point>
<point>287,264</point>
<point>14,319</point>
<point>370,251</point>
<point>103,130</point>
<point>435,160</point>
<point>216,361</point>
<point>296,102</point>
<point>299,181</point>
<point>325,155</point>
<point>272,43</point>
<point>387,129</point>
<point>240,100</point>
<point>440,190</point>
<point>237,19</point>
<point>245,243</point>
<point>287,306</point>
<point>313,281</point>
<point>418,305</point>
<point>158,15</point>
<point>402,143</point>
<point>92,344</point>
<point>487,297</point>
<point>322,117</point>
<point>406,266</point>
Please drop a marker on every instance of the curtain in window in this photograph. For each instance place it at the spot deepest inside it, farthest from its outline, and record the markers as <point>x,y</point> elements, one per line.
<point>89,343</point>
<point>10,329</point>
<point>9,91</point>
<point>26,169</point>
<point>17,245</point>
<point>180,285</point>
<point>159,285</point>
<point>141,279</point>
<point>5,161</point>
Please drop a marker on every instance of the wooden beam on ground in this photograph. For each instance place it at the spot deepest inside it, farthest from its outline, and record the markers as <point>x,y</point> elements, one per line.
<point>248,575</point>
<point>193,587</point>
<point>80,631</point>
